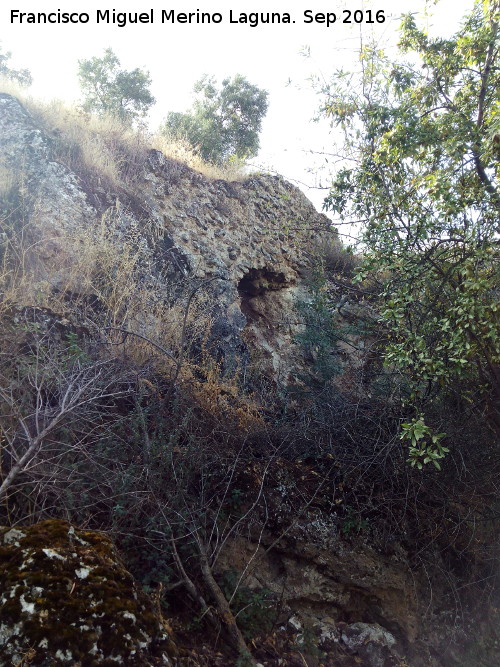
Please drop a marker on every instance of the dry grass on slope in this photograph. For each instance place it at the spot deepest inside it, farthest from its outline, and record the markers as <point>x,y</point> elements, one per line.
<point>182,151</point>
<point>100,278</point>
<point>94,279</point>
<point>161,329</point>
<point>107,153</point>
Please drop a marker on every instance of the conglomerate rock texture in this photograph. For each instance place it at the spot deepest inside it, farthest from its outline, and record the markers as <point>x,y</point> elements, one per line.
<point>248,241</point>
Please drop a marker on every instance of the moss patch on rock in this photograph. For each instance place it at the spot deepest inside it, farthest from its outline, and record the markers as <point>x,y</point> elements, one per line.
<point>67,599</point>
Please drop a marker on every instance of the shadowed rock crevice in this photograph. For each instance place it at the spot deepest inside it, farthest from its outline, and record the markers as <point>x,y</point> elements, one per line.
<point>258,281</point>
<point>253,288</point>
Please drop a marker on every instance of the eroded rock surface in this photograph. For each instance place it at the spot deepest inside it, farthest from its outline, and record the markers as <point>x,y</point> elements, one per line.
<point>45,192</point>
<point>249,241</point>
<point>66,599</point>
<point>329,590</point>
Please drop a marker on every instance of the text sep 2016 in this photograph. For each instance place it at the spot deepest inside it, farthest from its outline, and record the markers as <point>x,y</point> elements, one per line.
<point>251,19</point>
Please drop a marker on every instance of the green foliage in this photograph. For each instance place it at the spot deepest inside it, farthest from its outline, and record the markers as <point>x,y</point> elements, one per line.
<point>323,328</point>
<point>110,90</point>
<point>425,446</point>
<point>422,136</point>
<point>353,522</point>
<point>74,349</point>
<point>224,122</point>
<point>319,336</point>
<point>307,642</point>
<point>21,76</point>
<point>253,608</point>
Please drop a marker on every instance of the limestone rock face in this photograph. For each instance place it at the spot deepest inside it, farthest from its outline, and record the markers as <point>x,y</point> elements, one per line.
<point>49,195</point>
<point>66,599</point>
<point>51,192</point>
<point>370,642</point>
<point>328,588</point>
<point>254,236</point>
<point>248,241</point>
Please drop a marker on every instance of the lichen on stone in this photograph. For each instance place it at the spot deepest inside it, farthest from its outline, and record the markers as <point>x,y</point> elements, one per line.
<point>66,597</point>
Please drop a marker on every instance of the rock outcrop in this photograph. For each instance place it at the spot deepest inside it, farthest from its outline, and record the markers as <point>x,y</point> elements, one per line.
<point>244,248</point>
<point>66,599</point>
<point>249,240</point>
<point>327,589</point>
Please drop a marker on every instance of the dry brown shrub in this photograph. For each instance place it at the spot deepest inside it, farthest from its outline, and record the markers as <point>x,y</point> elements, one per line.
<point>220,395</point>
<point>86,263</point>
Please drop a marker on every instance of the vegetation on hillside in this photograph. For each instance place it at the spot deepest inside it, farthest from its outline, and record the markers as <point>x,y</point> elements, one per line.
<point>104,149</point>
<point>421,179</point>
<point>117,412</point>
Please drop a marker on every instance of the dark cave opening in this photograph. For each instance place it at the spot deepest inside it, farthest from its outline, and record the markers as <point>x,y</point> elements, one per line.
<point>258,281</point>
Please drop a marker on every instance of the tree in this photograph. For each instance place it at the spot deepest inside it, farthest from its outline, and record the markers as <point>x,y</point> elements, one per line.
<point>20,76</point>
<point>422,179</point>
<point>110,90</point>
<point>223,122</point>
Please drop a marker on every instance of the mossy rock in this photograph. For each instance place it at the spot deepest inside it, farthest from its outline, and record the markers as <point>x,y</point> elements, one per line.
<point>66,599</point>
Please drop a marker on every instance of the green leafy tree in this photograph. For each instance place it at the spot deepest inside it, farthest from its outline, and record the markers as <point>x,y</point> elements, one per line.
<point>223,122</point>
<point>110,90</point>
<point>421,176</point>
<point>21,76</point>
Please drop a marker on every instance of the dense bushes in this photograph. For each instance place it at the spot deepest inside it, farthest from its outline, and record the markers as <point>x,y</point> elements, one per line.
<point>171,473</point>
<point>421,177</point>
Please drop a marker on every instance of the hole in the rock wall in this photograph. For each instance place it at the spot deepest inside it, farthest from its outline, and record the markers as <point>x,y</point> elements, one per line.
<point>255,283</point>
<point>258,281</point>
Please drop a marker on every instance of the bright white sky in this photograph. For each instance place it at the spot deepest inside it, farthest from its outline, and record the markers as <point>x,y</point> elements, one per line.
<point>177,55</point>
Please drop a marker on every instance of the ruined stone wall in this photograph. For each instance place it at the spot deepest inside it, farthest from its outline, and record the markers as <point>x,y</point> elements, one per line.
<point>249,241</point>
